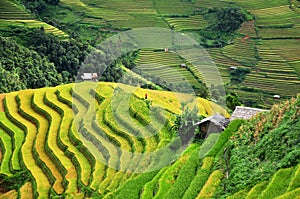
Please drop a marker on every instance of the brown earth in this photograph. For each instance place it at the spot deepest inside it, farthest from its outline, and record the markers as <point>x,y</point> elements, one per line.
<point>1,102</point>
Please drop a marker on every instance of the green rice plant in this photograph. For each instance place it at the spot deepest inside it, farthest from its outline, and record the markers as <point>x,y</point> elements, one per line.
<point>278,184</point>
<point>6,150</point>
<point>208,144</point>
<point>150,188</point>
<point>256,191</point>
<point>289,195</point>
<point>132,188</point>
<point>239,195</point>
<point>208,190</point>
<point>185,176</point>
<point>199,179</point>
<point>295,182</point>
<point>168,179</point>
<point>18,138</point>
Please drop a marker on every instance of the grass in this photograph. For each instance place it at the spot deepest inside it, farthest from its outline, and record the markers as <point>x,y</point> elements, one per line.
<point>292,194</point>
<point>166,66</point>
<point>168,179</point>
<point>239,195</point>
<point>150,188</point>
<point>14,15</point>
<point>195,22</point>
<point>185,176</point>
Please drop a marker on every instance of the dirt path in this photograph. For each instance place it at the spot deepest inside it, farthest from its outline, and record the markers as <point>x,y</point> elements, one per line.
<point>1,104</point>
<point>0,155</point>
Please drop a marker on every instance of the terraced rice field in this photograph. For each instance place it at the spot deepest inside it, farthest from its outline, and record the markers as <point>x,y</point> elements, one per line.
<point>274,73</point>
<point>123,14</point>
<point>166,66</point>
<point>175,7</point>
<point>68,156</point>
<point>195,22</point>
<point>12,14</point>
<point>281,185</point>
<point>242,51</point>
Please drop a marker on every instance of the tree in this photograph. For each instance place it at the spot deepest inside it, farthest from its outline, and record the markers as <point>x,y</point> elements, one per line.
<point>184,124</point>
<point>232,101</point>
<point>227,19</point>
<point>21,68</point>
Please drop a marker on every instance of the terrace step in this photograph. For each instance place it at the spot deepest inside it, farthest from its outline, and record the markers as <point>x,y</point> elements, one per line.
<point>56,153</point>
<point>18,138</point>
<point>208,190</point>
<point>43,153</point>
<point>278,184</point>
<point>6,150</point>
<point>83,164</point>
<point>41,184</point>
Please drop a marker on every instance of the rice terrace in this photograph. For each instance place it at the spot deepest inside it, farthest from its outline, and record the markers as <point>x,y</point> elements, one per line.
<point>150,99</point>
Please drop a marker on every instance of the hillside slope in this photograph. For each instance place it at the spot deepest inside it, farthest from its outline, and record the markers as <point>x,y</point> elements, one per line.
<point>49,152</point>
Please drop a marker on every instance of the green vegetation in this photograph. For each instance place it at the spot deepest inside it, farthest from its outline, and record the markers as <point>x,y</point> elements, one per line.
<point>263,145</point>
<point>39,136</point>
<point>96,140</point>
<point>22,68</point>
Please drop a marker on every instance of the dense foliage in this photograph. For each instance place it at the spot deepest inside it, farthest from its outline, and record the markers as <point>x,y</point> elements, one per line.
<point>66,55</point>
<point>263,145</point>
<point>227,19</point>
<point>14,181</point>
<point>238,75</point>
<point>184,125</point>
<point>38,6</point>
<point>223,22</point>
<point>21,68</point>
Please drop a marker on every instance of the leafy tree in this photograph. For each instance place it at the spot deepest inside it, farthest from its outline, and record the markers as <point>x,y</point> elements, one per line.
<point>66,55</point>
<point>232,101</point>
<point>21,68</point>
<point>14,181</point>
<point>238,75</point>
<point>184,124</point>
<point>227,19</point>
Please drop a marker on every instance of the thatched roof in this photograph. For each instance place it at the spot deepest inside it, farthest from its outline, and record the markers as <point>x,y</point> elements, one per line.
<point>241,112</point>
<point>217,119</point>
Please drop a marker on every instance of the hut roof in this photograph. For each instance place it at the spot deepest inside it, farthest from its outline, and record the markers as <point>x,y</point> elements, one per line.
<point>241,112</point>
<point>217,119</point>
<point>87,76</point>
